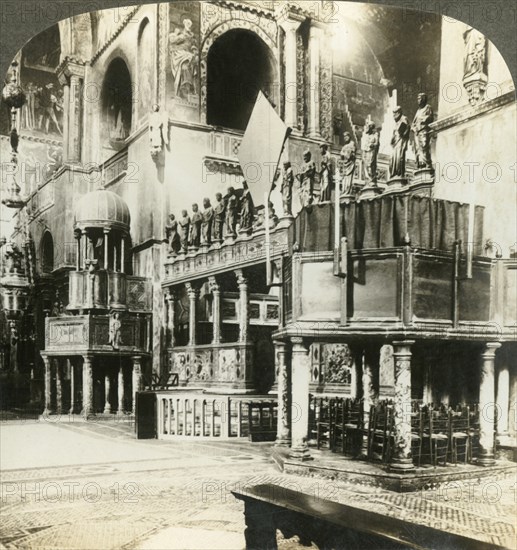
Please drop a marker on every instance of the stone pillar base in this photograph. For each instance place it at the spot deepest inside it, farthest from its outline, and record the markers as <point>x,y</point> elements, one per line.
<point>486,459</point>
<point>300,453</point>
<point>282,442</point>
<point>402,466</point>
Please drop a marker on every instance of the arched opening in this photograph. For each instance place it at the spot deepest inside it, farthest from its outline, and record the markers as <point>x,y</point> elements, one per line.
<point>47,253</point>
<point>239,65</point>
<point>117,104</point>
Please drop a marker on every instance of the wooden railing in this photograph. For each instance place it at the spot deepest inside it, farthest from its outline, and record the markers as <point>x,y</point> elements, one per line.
<point>200,415</point>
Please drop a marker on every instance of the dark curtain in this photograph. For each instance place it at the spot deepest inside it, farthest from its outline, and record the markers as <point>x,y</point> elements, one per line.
<point>385,221</point>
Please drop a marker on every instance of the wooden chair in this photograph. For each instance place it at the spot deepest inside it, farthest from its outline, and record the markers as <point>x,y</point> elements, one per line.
<point>353,425</point>
<point>459,430</point>
<point>417,434</point>
<point>438,435</point>
<point>337,436</point>
<point>323,422</point>
<point>380,432</point>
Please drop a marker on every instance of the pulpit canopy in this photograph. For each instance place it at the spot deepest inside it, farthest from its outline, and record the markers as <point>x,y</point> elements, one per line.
<point>103,209</point>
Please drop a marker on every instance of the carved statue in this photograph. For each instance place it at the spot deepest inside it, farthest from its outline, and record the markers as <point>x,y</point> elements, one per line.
<point>399,143</point>
<point>306,177</point>
<point>183,54</point>
<point>219,218</point>
<point>475,53</point>
<point>423,118</point>
<point>158,131</point>
<point>246,209</point>
<point>195,227</point>
<point>370,152</point>
<point>171,232</point>
<point>347,155</point>
<point>114,330</point>
<point>287,188</point>
<point>273,218</point>
<point>185,230</point>
<point>206,225</point>
<point>327,173</point>
<point>231,212</point>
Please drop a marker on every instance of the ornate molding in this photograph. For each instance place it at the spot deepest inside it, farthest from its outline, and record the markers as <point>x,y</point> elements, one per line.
<point>213,164</point>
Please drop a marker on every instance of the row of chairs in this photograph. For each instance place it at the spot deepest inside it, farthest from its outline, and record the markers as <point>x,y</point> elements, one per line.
<point>439,434</point>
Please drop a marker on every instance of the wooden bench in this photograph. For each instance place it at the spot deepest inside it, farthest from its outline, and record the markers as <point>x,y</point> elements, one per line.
<point>331,525</point>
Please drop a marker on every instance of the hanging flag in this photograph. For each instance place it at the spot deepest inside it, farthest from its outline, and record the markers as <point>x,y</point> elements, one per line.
<point>261,147</point>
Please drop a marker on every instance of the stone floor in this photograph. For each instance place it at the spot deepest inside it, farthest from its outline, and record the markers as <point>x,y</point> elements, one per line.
<point>93,486</point>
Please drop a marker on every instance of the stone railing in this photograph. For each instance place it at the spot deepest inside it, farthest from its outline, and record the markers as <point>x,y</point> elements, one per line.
<point>204,415</point>
<point>244,251</point>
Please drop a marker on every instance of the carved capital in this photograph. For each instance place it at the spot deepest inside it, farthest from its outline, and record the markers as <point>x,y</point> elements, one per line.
<point>242,280</point>
<point>192,291</point>
<point>213,284</point>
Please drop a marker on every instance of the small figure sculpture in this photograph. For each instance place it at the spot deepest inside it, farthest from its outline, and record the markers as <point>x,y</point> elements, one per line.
<point>114,330</point>
<point>475,53</point>
<point>347,155</point>
<point>206,225</point>
<point>171,232</point>
<point>219,218</point>
<point>327,173</point>
<point>231,212</point>
<point>306,178</point>
<point>158,131</point>
<point>273,218</point>
<point>185,230</point>
<point>246,210</point>
<point>399,143</point>
<point>195,227</point>
<point>287,188</point>
<point>370,152</point>
<point>423,118</point>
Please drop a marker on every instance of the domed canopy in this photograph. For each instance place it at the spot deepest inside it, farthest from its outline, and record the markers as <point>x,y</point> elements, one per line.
<point>102,208</point>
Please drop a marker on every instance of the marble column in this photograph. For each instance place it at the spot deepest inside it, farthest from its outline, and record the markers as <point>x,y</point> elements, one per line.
<point>290,26</point>
<point>106,248</point>
<point>315,34</point>
<point>71,75</point>
<point>170,298</point>
<point>122,254</point>
<point>503,399</point>
<point>84,240</point>
<point>77,236</point>
<point>402,461</point>
<point>137,378</point>
<point>87,385</point>
<point>283,433</point>
<point>120,391</point>
<point>370,364</point>
<point>59,386</point>
<point>48,386</point>
<point>300,377</point>
<point>487,404</point>
<point>72,388</point>
<point>193,294</point>
<point>216,309</point>
<point>242,281</point>
<point>107,386</point>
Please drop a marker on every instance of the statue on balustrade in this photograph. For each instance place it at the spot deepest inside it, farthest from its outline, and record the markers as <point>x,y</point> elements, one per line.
<point>399,142</point>
<point>206,225</point>
<point>287,188</point>
<point>370,151</point>
<point>347,156</point>
<point>158,131</point>
<point>219,218</point>
<point>423,118</point>
<point>475,53</point>
<point>184,224</point>
<point>195,227</point>
<point>327,173</point>
<point>114,329</point>
<point>306,178</point>
<point>173,238</point>
<point>232,205</point>
<point>247,209</point>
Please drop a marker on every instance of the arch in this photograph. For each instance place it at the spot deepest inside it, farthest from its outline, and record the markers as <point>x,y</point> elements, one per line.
<point>47,252</point>
<point>116,104</point>
<point>239,65</point>
<point>216,33</point>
